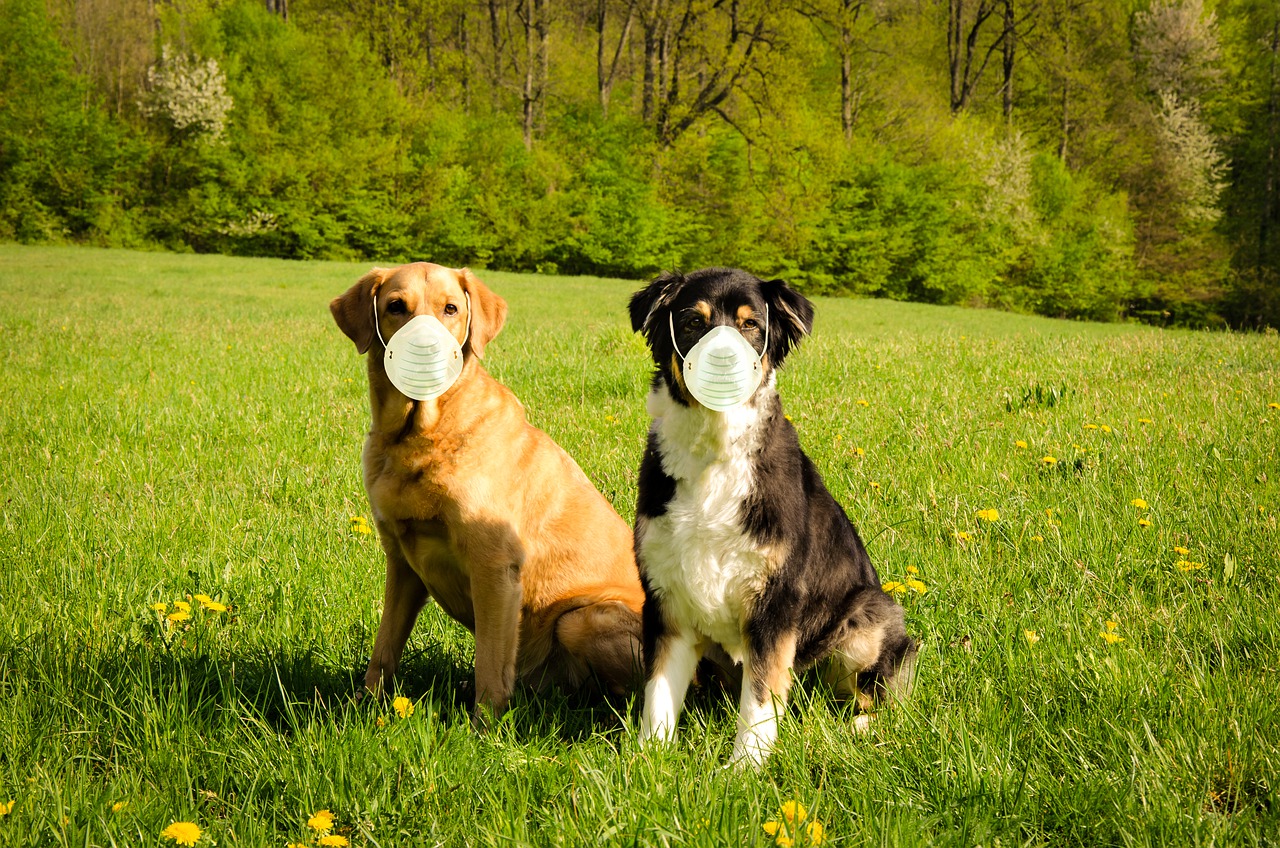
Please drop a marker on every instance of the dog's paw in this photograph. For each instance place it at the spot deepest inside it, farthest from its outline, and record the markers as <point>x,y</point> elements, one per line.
<point>862,723</point>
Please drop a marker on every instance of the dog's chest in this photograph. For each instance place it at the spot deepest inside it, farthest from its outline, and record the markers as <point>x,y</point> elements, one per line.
<point>698,555</point>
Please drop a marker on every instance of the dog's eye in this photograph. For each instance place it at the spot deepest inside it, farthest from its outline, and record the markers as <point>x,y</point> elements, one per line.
<point>395,307</point>
<point>749,324</point>
<point>696,322</point>
<point>450,309</point>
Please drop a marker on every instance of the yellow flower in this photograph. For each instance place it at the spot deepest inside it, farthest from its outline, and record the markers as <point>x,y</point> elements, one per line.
<point>875,485</point>
<point>334,840</point>
<point>1091,426</point>
<point>1111,638</point>
<point>893,587</point>
<point>794,811</point>
<point>182,605</point>
<point>863,402</point>
<point>1273,406</point>
<point>1143,522</point>
<point>911,569</point>
<point>1145,421</point>
<point>962,536</point>
<point>1037,538</point>
<point>183,833</point>
<point>816,836</point>
<point>1032,636</point>
<point>771,827</point>
<point>403,706</point>
<point>1050,460</point>
<point>1178,549</point>
<point>6,809</point>
<point>783,841</point>
<point>916,586</point>
<point>381,721</point>
<point>1104,428</point>
<point>118,806</point>
<point>1112,625</point>
<point>214,606</point>
<point>160,608</point>
<point>989,514</point>
<point>1020,444</point>
<point>204,599</point>
<point>180,615</point>
<point>859,452</point>
<point>1185,565</point>
<point>295,845</point>
<point>321,822</point>
<point>359,525</point>
<point>1139,503</point>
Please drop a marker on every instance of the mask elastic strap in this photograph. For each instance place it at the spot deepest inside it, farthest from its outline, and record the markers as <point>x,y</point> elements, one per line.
<point>671,322</point>
<point>378,329</point>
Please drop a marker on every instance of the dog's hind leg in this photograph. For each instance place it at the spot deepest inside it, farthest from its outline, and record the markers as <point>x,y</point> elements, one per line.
<point>876,661</point>
<point>402,600</point>
<point>766,680</point>
<point>603,639</point>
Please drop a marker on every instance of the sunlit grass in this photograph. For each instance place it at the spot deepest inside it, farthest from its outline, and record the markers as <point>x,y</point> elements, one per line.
<point>183,428</point>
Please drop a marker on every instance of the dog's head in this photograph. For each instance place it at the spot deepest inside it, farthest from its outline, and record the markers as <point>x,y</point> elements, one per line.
<point>392,296</point>
<point>693,304</point>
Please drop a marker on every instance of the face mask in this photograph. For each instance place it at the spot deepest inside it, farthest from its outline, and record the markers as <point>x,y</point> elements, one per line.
<point>423,359</point>
<point>722,370</point>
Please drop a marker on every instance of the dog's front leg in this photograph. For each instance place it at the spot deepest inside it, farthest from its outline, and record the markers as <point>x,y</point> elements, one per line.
<point>766,679</point>
<point>402,600</point>
<point>496,595</point>
<point>675,660</point>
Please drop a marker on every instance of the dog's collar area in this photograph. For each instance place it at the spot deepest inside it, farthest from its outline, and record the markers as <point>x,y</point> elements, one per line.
<point>671,322</point>
<point>377,329</point>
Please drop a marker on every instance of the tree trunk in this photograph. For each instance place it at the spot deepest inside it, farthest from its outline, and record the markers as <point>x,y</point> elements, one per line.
<point>495,66</point>
<point>605,71</point>
<point>464,42</point>
<point>846,66</point>
<point>1270,202</point>
<point>1010,39</point>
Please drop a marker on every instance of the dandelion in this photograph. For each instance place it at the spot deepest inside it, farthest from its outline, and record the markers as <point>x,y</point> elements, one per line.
<point>815,831</point>
<point>911,569</point>
<point>1031,636</point>
<point>1111,638</point>
<point>214,606</point>
<point>1144,522</point>
<point>403,706</point>
<point>917,586</point>
<point>382,721</point>
<point>1112,625</point>
<point>893,587</point>
<point>182,606</point>
<point>875,485</point>
<point>863,402</point>
<point>180,615</point>
<point>298,844</point>
<point>962,536</point>
<point>360,525</point>
<point>1020,444</point>
<point>1187,565</point>
<point>1139,503</point>
<point>1037,538</point>
<point>6,809</point>
<point>1273,406</point>
<point>118,806</point>
<point>321,822</point>
<point>183,833</point>
<point>794,812</point>
<point>1145,421</point>
<point>160,608</point>
<point>989,514</point>
<point>859,452</point>
<point>1049,460</point>
<point>1091,426</point>
<point>1104,428</point>
<point>334,840</point>
<point>1181,551</point>
<point>203,599</point>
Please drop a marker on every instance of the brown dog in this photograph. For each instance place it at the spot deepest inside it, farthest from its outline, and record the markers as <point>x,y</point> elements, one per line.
<point>482,511</point>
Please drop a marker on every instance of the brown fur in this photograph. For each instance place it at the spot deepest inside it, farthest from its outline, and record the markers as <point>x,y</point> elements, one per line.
<point>484,513</point>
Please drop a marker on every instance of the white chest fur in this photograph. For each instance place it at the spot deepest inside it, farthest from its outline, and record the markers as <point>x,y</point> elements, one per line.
<point>697,556</point>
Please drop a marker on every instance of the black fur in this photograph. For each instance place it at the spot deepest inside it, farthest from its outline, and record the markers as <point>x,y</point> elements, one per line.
<point>826,591</point>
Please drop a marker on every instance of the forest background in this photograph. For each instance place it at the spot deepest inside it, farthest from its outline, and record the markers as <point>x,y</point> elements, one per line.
<point>1101,159</point>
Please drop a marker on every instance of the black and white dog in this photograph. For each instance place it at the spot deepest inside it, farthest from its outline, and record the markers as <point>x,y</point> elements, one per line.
<point>739,543</point>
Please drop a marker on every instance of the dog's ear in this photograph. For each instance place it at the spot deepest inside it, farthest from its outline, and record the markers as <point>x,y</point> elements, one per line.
<point>354,310</point>
<point>646,302</point>
<point>790,318</point>
<point>488,312</point>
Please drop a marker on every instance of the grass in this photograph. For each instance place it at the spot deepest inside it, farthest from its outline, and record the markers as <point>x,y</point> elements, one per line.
<point>182,425</point>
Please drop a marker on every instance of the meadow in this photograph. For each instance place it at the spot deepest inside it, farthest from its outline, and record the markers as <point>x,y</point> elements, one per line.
<point>1080,519</point>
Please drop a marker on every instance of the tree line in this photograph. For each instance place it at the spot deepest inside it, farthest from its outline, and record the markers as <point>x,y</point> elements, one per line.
<point>1077,158</point>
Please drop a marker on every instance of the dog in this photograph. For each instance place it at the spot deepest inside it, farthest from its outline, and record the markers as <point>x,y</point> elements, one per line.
<point>480,510</point>
<point>739,544</point>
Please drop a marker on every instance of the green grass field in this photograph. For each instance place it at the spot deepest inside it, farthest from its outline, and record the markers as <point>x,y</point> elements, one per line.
<point>1093,672</point>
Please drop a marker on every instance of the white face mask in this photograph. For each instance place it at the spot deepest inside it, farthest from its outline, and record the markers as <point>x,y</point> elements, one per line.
<point>423,359</point>
<point>722,370</point>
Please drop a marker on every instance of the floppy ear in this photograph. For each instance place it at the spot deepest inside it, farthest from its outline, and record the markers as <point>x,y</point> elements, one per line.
<point>790,318</point>
<point>653,297</point>
<point>488,312</point>
<point>354,310</point>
